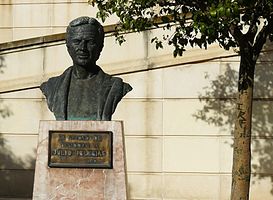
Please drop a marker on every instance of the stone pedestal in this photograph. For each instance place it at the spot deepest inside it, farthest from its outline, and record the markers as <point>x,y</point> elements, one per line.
<point>80,183</point>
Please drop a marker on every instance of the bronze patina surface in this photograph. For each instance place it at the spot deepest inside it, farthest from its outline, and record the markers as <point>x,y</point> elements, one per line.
<point>83,149</point>
<point>84,91</point>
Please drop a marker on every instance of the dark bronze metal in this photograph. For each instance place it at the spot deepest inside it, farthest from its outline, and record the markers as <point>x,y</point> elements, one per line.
<point>80,149</point>
<point>84,91</point>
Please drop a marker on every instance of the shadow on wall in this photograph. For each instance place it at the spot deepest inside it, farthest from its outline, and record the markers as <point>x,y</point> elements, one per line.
<point>219,109</point>
<point>16,178</point>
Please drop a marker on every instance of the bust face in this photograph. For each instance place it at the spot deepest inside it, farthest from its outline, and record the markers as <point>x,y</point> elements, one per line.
<point>82,45</point>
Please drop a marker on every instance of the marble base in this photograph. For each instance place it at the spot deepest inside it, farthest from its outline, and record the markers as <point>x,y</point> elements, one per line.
<point>79,183</point>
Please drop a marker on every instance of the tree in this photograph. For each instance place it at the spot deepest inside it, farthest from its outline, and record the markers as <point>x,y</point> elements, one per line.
<point>245,24</point>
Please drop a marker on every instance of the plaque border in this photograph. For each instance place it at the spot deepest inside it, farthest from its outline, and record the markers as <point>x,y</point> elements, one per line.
<point>72,165</point>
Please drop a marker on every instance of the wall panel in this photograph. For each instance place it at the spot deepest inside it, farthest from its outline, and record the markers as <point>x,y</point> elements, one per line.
<point>172,150</point>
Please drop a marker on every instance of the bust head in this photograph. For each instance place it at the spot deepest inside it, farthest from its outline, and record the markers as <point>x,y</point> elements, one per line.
<point>84,41</point>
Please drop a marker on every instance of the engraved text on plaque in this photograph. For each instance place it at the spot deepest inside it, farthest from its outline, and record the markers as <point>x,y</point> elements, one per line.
<point>88,149</point>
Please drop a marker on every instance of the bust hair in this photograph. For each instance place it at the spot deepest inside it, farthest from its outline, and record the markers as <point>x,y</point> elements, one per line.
<point>86,20</point>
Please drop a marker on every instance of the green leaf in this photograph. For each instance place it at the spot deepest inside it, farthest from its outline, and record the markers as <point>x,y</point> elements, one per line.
<point>165,19</point>
<point>175,53</point>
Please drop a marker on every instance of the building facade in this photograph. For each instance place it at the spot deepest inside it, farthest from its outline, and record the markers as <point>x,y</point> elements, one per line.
<point>178,120</point>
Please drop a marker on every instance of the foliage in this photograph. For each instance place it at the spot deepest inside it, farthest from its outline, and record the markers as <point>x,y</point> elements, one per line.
<point>231,23</point>
<point>192,22</point>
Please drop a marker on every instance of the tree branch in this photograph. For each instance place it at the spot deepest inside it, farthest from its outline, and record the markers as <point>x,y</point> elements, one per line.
<point>236,33</point>
<point>261,37</point>
<point>252,31</point>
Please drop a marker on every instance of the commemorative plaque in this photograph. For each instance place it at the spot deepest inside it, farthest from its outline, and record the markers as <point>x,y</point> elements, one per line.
<point>80,159</point>
<point>80,149</point>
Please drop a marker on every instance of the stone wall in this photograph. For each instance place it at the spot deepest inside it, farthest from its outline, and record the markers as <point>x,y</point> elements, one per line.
<point>21,19</point>
<point>178,119</point>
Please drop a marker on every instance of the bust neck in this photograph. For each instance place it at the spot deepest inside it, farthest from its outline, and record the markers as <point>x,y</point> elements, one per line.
<point>85,72</point>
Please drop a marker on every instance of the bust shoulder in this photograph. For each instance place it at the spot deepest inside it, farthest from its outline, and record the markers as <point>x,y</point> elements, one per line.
<point>53,82</point>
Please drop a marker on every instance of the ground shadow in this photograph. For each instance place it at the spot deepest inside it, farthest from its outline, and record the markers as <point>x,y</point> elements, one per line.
<point>16,177</point>
<point>220,105</point>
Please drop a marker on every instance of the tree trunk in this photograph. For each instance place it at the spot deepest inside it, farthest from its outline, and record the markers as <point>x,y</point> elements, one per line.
<point>241,170</point>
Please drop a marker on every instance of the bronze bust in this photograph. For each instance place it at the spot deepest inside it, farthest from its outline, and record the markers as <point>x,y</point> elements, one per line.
<point>84,91</point>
